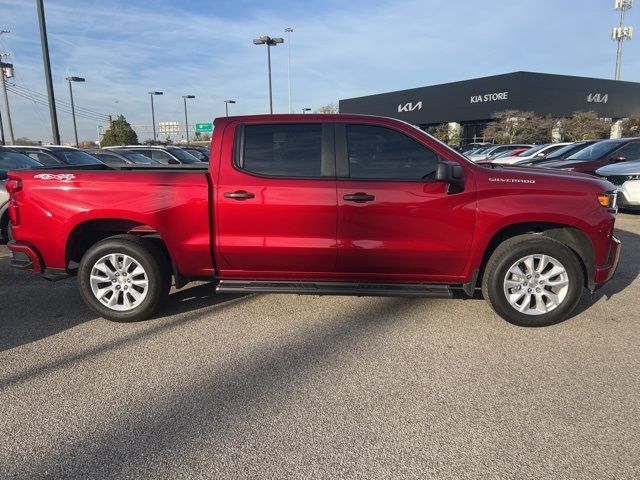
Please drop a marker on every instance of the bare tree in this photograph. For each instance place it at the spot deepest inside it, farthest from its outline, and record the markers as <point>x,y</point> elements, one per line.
<point>585,126</point>
<point>631,127</point>
<point>27,141</point>
<point>328,108</point>
<point>511,126</point>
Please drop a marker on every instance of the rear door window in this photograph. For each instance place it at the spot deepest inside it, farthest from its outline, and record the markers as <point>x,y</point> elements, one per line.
<point>283,150</point>
<point>44,158</point>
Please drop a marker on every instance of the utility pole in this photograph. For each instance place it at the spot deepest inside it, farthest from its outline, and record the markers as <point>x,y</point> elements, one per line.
<point>288,31</point>
<point>73,108</point>
<point>186,119</point>
<point>620,33</point>
<point>269,42</point>
<point>2,142</point>
<point>55,132</point>
<point>5,71</point>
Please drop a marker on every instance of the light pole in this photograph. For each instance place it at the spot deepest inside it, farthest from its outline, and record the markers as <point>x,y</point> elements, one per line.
<point>153,115</point>
<point>305,110</point>
<point>620,33</point>
<point>73,110</point>
<point>288,31</point>
<point>186,120</point>
<point>269,42</point>
<point>226,106</point>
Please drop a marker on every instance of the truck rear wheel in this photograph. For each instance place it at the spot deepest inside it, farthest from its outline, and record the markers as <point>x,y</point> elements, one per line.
<point>124,278</point>
<point>533,281</point>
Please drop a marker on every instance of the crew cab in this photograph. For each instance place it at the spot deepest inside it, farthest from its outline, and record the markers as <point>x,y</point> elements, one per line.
<point>323,205</point>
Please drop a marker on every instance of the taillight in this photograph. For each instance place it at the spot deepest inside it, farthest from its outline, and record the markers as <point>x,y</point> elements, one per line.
<point>13,185</point>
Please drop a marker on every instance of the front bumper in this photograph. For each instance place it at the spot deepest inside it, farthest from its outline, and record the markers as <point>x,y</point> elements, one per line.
<point>604,273</point>
<point>629,194</point>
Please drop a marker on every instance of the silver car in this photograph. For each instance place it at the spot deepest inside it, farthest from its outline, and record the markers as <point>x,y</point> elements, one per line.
<point>626,177</point>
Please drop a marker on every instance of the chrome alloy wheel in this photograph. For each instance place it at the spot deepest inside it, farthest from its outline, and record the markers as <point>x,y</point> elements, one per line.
<point>119,282</point>
<point>536,284</point>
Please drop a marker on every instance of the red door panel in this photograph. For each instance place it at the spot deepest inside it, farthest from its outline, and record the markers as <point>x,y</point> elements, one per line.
<point>409,228</point>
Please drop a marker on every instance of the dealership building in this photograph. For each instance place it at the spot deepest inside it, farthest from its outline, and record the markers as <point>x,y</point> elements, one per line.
<point>467,106</point>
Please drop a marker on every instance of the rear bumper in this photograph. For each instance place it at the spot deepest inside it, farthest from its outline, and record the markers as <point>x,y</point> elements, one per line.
<point>605,272</point>
<point>25,257</point>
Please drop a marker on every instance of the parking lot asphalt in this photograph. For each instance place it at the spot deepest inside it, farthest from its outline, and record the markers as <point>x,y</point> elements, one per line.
<point>284,386</point>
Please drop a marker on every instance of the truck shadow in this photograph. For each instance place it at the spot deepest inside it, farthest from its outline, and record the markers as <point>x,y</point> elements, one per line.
<point>32,308</point>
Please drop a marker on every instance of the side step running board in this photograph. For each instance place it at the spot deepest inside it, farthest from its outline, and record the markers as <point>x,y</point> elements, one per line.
<point>335,288</point>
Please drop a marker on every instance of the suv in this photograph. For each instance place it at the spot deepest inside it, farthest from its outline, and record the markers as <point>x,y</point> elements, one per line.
<point>162,154</point>
<point>56,155</point>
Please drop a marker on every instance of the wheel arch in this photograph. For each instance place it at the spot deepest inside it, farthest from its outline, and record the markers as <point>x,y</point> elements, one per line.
<point>86,234</point>
<point>574,238</point>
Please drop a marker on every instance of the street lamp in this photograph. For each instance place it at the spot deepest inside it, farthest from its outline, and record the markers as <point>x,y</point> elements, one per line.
<point>269,42</point>
<point>153,114</point>
<point>305,110</point>
<point>226,105</point>
<point>288,31</point>
<point>73,110</point>
<point>186,121</point>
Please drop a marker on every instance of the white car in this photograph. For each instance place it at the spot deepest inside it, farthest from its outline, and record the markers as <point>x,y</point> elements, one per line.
<point>626,177</point>
<point>535,152</point>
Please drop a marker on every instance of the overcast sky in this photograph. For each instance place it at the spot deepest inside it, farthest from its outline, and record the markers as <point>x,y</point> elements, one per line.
<point>340,49</point>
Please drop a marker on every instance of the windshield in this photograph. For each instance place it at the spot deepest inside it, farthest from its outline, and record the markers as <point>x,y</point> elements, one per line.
<point>597,150</point>
<point>136,157</point>
<point>531,151</point>
<point>564,150</point>
<point>183,156</point>
<point>16,161</point>
<point>76,157</point>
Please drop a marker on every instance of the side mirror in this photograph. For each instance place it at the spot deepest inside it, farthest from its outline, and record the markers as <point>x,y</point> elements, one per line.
<point>539,155</point>
<point>618,159</point>
<point>451,173</point>
<point>173,161</point>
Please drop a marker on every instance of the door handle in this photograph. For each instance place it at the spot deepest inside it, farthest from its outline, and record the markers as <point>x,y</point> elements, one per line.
<point>359,197</point>
<point>239,195</point>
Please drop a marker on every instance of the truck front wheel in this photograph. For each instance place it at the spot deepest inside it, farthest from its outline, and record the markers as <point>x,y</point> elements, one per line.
<point>533,281</point>
<point>124,278</point>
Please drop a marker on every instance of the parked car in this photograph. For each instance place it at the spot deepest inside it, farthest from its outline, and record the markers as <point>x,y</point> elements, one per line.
<point>10,160</point>
<point>538,151</point>
<point>56,155</point>
<point>478,151</point>
<point>201,153</point>
<point>626,176</point>
<point>120,156</point>
<point>510,153</point>
<point>597,155</point>
<point>472,146</point>
<point>162,154</point>
<point>494,151</point>
<point>559,154</point>
<point>274,212</point>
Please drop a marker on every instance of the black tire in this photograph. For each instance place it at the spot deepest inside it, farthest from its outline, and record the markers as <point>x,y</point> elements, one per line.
<point>516,248</point>
<point>9,232</point>
<point>151,258</point>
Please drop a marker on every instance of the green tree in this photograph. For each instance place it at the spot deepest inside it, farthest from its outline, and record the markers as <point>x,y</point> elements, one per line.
<point>631,127</point>
<point>585,126</point>
<point>119,133</point>
<point>441,132</point>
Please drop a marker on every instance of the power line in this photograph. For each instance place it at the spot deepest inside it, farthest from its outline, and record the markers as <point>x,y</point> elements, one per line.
<point>58,102</point>
<point>63,108</point>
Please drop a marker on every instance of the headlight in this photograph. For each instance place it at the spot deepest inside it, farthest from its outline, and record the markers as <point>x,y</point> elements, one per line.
<point>608,200</point>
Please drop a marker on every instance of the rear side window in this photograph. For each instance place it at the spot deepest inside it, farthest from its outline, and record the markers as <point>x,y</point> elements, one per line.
<point>382,153</point>
<point>160,156</point>
<point>283,150</point>
<point>109,159</point>
<point>631,151</point>
<point>44,158</point>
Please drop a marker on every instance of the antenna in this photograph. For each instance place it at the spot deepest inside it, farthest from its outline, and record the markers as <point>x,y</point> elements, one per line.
<point>621,32</point>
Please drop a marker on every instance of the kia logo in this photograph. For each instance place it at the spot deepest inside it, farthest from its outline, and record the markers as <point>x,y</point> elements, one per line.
<point>409,107</point>
<point>598,98</point>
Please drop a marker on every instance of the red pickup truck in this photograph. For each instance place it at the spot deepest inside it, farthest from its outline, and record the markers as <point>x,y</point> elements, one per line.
<point>323,205</point>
